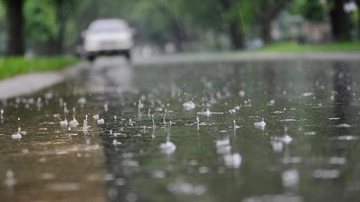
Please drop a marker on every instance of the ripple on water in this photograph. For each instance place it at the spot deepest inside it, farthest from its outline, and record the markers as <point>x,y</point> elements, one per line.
<point>326,173</point>
<point>180,187</point>
<point>290,178</point>
<point>346,137</point>
<point>63,187</point>
<point>168,147</point>
<point>274,198</point>
<point>344,125</point>
<point>188,106</point>
<point>233,160</point>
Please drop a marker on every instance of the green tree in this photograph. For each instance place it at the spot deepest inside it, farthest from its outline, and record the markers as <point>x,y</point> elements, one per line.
<point>41,27</point>
<point>314,10</point>
<point>266,11</point>
<point>233,17</point>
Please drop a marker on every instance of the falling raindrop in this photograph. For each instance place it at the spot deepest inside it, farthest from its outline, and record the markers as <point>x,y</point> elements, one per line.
<point>106,107</point>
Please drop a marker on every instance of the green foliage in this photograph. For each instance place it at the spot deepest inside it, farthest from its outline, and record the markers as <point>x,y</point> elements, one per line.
<point>40,20</point>
<point>10,66</point>
<point>314,10</point>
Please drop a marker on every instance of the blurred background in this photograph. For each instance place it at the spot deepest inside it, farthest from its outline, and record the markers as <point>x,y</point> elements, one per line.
<point>54,27</point>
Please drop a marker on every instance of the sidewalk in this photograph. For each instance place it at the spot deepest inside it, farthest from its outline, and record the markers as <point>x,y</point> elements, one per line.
<point>32,82</point>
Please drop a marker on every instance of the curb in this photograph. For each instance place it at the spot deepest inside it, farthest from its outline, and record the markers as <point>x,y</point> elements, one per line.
<point>247,57</point>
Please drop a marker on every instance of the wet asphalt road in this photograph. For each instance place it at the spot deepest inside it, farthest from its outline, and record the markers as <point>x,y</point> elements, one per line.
<point>187,132</point>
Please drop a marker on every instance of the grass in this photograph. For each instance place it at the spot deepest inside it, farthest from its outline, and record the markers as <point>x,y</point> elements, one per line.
<point>11,66</point>
<point>304,48</point>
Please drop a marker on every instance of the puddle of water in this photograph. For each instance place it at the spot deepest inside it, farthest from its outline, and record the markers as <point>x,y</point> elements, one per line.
<point>191,134</point>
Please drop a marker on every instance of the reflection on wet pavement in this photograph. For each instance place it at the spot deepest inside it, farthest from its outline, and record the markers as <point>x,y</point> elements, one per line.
<point>250,131</point>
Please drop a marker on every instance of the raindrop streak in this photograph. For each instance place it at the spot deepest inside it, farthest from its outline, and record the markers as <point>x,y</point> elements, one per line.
<point>17,135</point>
<point>153,121</point>
<point>106,107</point>
<point>64,123</point>
<point>85,125</point>
<point>197,123</point>
<point>164,117</point>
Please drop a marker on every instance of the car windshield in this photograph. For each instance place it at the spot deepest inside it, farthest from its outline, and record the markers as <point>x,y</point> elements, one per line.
<point>107,26</point>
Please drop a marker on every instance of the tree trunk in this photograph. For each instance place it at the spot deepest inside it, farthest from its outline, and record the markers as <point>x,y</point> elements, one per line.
<point>266,31</point>
<point>179,35</point>
<point>237,37</point>
<point>15,26</point>
<point>358,6</point>
<point>235,27</point>
<point>358,21</point>
<point>60,17</point>
<point>267,11</point>
<point>340,23</point>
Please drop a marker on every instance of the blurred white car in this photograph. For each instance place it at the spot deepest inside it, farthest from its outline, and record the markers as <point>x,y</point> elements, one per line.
<point>108,37</point>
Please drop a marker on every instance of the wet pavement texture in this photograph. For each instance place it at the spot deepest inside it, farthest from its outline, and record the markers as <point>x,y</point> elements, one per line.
<point>236,131</point>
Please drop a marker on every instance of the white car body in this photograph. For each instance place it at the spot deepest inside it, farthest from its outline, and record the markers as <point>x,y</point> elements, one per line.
<point>108,36</point>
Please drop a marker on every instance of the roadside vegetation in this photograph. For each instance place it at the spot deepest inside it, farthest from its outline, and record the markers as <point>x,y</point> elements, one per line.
<point>303,48</point>
<point>10,66</point>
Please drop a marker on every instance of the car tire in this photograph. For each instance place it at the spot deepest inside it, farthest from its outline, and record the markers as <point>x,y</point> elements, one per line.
<point>91,58</point>
<point>127,55</point>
